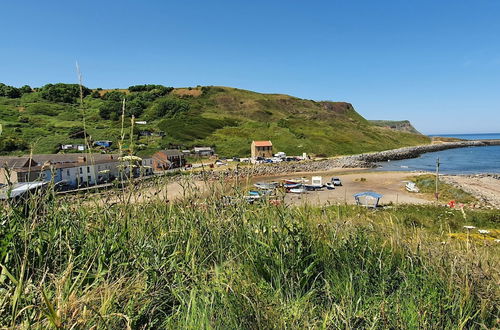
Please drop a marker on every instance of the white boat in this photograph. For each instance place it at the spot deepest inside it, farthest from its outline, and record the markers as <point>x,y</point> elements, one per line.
<point>300,190</point>
<point>296,180</point>
<point>329,185</point>
<point>266,185</point>
<point>412,187</point>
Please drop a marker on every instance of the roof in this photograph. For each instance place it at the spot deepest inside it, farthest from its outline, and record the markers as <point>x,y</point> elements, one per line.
<point>263,143</point>
<point>368,193</point>
<point>19,188</point>
<point>171,152</point>
<point>72,158</point>
<point>14,162</point>
<point>202,149</point>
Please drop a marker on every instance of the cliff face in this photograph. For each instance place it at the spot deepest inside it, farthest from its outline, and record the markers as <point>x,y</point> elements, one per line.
<point>401,126</point>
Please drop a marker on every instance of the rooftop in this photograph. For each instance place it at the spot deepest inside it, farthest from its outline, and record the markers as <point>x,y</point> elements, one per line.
<point>263,143</point>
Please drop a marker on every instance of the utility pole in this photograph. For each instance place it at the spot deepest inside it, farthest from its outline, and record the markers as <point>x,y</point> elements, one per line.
<point>437,180</point>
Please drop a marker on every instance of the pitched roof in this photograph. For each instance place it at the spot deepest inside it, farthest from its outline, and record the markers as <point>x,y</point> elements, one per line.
<point>72,158</point>
<point>14,162</point>
<point>171,152</point>
<point>263,143</point>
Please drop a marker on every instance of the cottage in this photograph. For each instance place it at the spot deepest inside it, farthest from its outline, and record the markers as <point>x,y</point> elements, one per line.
<point>168,159</point>
<point>203,151</point>
<point>261,149</point>
<point>11,168</point>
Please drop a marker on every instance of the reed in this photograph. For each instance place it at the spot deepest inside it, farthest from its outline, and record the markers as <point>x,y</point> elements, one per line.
<point>201,263</point>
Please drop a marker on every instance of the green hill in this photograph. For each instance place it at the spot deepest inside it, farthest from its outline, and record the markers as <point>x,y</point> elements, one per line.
<point>224,117</point>
<point>397,125</point>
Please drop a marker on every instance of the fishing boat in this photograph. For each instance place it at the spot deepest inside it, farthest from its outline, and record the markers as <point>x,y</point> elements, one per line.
<point>266,185</point>
<point>329,185</point>
<point>291,185</point>
<point>311,187</point>
<point>412,187</point>
<point>299,190</point>
<point>296,180</point>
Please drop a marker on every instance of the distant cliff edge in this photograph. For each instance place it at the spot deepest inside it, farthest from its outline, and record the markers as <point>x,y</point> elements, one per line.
<point>397,125</point>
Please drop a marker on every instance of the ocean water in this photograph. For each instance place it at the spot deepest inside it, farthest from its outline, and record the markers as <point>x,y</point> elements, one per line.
<point>482,136</point>
<point>471,160</point>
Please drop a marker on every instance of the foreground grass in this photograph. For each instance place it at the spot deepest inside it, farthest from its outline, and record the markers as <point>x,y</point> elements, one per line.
<point>204,265</point>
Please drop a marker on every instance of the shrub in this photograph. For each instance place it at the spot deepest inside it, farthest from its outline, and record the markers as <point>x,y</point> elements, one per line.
<point>64,93</point>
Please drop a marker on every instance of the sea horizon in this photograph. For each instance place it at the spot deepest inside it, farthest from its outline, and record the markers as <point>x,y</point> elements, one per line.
<point>469,136</point>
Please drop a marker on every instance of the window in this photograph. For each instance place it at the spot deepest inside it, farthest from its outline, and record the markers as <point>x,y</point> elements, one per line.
<point>81,171</point>
<point>89,178</point>
<point>88,169</point>
<point>67,172</point>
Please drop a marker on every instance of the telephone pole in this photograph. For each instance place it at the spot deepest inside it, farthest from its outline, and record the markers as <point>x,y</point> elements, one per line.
<point>437,180</point>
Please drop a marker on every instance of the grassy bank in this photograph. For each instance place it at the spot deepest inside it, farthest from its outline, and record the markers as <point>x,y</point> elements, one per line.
<point>447,192</point>
<point>201,264</point>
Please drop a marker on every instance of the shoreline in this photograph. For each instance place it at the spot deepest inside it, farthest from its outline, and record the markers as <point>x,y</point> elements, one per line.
<point>364,161</point>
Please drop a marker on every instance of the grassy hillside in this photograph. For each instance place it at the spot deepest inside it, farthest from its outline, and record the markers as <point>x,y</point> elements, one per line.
<point>226,118</point>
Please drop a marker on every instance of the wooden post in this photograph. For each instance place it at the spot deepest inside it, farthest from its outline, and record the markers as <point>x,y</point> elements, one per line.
<point>437,180</point>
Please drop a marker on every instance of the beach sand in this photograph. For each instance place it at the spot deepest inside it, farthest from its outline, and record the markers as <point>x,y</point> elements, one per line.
<point>389,184</point>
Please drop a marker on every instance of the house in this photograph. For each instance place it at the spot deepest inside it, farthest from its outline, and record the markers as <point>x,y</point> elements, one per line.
<point>11,168</point>
<point>261,149</point>
<point>147,166</point>
<point>203,151</point>
<point>79,147</point>
<point>168,159</point>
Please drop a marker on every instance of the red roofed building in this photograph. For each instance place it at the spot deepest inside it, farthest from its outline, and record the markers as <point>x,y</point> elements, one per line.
<point>261,149</point>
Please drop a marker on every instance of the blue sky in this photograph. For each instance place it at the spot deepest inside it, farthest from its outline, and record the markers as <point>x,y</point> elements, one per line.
<point>436,63</point>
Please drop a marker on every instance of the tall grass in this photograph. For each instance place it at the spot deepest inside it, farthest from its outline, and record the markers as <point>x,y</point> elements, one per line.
<point>201,263</point>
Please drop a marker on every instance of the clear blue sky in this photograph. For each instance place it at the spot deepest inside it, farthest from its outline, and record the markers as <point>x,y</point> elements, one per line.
<point>436,63</point>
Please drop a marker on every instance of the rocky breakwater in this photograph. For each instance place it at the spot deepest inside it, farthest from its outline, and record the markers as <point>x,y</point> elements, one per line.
<point>414,152</point>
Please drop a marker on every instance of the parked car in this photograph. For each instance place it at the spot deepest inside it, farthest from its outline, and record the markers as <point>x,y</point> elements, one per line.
<point>336,182</point>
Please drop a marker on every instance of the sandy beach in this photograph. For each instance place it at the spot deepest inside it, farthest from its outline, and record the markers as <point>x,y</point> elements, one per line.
<point>389,184</point>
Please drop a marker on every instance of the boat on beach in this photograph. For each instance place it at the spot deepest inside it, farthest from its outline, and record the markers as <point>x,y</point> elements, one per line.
<point>296,180</point>
<point>330,185</point>
<point>266,185</point>
<point>299,190</point>
<point>412,187</point>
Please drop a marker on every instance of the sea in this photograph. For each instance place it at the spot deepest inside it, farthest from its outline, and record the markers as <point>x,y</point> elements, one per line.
<point>470,160</point>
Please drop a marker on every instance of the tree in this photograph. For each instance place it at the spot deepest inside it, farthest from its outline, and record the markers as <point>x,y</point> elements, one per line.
<point>11,143</point>
<point>110,110</point>
<point>26,89</point>
<point>115,96</point>
<point>135,107</point>
<point>64,93</point>
<point>168,107</point>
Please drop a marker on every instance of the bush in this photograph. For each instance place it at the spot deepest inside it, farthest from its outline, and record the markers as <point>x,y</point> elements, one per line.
<point>168,107</point>
<point>63,93</point>
<point>12,143</point>
<point>110,110</point>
